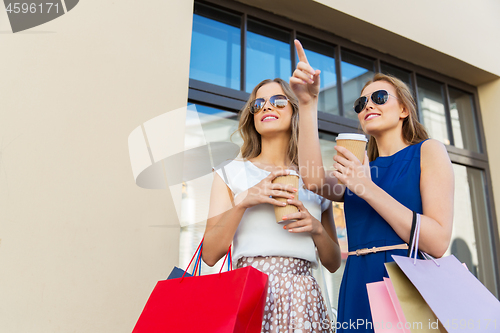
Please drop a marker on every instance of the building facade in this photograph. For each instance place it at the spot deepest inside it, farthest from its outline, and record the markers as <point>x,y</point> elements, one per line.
<point>82,246</point>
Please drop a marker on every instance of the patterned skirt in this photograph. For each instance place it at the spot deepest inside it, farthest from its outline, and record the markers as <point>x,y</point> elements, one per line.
<point>294,301</point>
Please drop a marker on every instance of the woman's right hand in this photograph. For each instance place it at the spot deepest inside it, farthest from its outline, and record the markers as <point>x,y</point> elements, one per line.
<point>305,80</point>
<point>266,191</point>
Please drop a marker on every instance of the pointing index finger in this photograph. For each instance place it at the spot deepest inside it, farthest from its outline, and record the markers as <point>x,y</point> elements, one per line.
<point>300,51</point>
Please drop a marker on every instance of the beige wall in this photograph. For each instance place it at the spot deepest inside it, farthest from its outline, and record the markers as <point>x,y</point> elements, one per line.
<point>81,245</point>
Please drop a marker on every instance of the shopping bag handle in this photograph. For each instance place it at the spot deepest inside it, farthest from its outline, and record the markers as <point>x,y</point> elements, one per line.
<point>414,242</point>
<point>229,262</point>
<point>197,250</point>
<point>198,256</point>
<point>412,233</point>
<point>415,237</point>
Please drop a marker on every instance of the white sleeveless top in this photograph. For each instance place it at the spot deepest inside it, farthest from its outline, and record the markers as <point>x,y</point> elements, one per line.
<point>258,234</point>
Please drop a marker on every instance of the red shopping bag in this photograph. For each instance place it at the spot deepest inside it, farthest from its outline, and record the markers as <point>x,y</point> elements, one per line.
<point>229,302</point>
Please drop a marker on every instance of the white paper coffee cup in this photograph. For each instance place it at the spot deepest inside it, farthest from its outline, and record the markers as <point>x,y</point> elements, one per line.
<point>355,143</point>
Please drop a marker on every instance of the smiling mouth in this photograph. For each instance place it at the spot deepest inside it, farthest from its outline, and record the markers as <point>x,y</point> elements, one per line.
<point>269,118</point>
<point>371,116</point>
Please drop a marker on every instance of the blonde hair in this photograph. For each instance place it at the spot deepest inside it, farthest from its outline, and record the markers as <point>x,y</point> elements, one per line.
<point>252,145</point>
<point>413,132</point>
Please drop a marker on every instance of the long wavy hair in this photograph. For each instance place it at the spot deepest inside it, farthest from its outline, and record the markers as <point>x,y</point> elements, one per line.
<point>413,132</point>
<point>252,143</point>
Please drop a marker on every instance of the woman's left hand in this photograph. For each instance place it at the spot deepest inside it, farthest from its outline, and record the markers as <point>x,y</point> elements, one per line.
<point>352,172</point>
<point>305,81</point>
<point>305,221</point>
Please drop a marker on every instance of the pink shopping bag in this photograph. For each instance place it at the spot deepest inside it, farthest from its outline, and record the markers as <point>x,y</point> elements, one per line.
<point>387,315</point>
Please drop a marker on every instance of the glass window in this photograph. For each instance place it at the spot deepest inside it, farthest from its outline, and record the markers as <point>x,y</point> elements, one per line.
<point>470,238</point>
<point>333,280</point>
<point>327,142</point>
<point>463,240</point>
<point>356,71</point>
<point>463,120</point>
<point>401,74</point>
<point>217,126</point>
<point>215,47</point>
<point>431,108</point>
<point>267,54</point>
<point>321,56</point>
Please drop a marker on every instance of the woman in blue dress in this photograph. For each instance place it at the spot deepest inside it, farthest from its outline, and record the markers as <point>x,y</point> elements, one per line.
<point>402,172</point>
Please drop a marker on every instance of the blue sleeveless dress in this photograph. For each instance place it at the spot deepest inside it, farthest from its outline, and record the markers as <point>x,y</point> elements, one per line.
<point>399,176</point>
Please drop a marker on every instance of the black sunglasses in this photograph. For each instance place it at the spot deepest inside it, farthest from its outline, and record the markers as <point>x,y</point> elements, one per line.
<point>278,101</point>
<point>379,97</point>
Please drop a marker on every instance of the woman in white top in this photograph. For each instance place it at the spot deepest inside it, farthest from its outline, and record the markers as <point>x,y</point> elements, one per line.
<point>269,128</point>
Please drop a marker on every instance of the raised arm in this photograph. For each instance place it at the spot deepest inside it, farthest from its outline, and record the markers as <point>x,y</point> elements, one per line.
<point>305,83</point>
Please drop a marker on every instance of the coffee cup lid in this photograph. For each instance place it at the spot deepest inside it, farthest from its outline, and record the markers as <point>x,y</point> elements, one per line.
<point>352,136</point>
